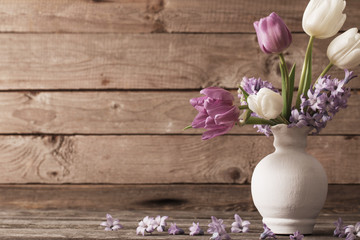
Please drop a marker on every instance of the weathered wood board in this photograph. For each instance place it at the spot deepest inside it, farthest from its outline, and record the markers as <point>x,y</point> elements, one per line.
<point>198,198</point>
<point>76,224</point>
<point>146,16</point>
<point>124,112</point>
<point>145,61</point>
<point>151,159</point>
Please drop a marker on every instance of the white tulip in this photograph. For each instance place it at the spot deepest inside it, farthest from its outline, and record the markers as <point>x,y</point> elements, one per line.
<point>266,104</point>
<point>323,18</point>
<point>344,50</point>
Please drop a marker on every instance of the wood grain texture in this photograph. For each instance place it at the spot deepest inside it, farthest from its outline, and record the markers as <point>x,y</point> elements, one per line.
<point>238,16</point>
<point>196,198</point>
<point>158,159</point>
<point>146,16</point>
<point>124,112</point>
<point>75,224</point>
<point>144,61</point>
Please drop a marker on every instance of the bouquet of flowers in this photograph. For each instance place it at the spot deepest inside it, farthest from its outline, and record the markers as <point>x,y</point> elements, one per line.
<point>262,105</point>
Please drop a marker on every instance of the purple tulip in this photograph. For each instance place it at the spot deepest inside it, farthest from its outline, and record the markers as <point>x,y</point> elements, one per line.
<point>273,34</point>
<point>217,113</point>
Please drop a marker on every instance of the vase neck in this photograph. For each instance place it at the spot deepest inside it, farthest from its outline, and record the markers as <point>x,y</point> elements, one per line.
<point>289,137</point>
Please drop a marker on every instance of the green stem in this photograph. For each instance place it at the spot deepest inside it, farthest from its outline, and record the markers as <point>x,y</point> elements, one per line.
<point>243,107</point>
<point>283,120</point>
<point>328,67</point>
<point>305,72</point>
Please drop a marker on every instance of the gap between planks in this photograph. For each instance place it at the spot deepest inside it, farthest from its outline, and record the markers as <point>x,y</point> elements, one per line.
<point>168,197</point>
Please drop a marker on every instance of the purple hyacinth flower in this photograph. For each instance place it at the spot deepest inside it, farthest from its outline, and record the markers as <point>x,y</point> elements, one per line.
<point>352,231</point>
<point>297,236</point>
<point>267,233</point>
<point>111,224</point>
<point>239,225</point>
<point>160,223</point>
<point>175,230</point>
<point>217,228</point>
<point>348,76</point>
<point>216,225</point>
<point>339,228</point>
<point>325,99</point>
<point>217,114</point>
<point>273,34</point>
<point>195,230</point>
<point>148,224</point>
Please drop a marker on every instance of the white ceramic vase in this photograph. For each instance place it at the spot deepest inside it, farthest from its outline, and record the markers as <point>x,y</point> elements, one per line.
<point>289,186</point>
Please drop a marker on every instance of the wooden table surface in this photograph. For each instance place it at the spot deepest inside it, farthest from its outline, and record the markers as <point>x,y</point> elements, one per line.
<point>80,224</point>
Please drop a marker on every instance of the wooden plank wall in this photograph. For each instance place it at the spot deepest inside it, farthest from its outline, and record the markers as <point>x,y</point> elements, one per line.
<point>97,91</point>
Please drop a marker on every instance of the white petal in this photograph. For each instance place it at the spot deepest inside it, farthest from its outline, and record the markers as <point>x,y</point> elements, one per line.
<point>252,103</point>
<point>104,224</point>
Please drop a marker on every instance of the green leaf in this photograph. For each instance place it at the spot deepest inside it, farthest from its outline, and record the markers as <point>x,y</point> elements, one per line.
<point>291,88</point>
<point>246,95</point>
<point>283,89</point>
<point>247,116</point>
<point>304,79</point>
<point>187,127</point>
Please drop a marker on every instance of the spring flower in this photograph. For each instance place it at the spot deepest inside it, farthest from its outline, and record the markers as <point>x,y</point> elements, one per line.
<point>323,18</point>
<point>195,230</point>
<point>272,34</point>
<point>352,231</point>
<point>160,223</point>
<point>217,113</point>
<point>325,99</point>
<point>296,236</point>
<point>217,228</point>
<point>266,104</point>
<point>339,230</point>
<point>175,230</point>
<point>253,86</point>
<point>344,50</point>
<point>148,225</point>
<point>111,224</point>
<point>267,233</point>
<point>239,225</point>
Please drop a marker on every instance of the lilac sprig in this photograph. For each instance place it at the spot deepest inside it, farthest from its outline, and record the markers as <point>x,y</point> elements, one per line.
<point>217,229</point>
<point>239,225</point>
<point>111,224</point>
<point>324,99</point>
<point>267,233</point>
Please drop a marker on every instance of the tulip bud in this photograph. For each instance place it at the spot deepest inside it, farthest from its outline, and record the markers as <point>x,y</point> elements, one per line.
<point>344,50</point>
<point>272,34</point>
<point>323,18</point>
<point>266,103</point>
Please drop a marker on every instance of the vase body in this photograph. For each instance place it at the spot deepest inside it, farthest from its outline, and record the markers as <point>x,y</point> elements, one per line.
<point>289,186</point>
